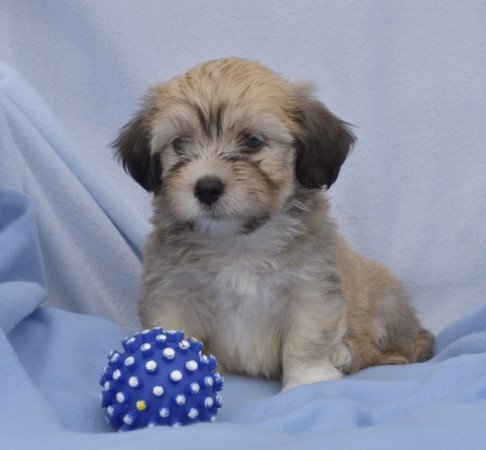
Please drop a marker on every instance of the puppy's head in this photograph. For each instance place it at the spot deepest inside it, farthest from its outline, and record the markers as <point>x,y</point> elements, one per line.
<point>226,145</point>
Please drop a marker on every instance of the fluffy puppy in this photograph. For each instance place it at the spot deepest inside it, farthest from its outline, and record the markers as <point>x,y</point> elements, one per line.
<point>243,254</point>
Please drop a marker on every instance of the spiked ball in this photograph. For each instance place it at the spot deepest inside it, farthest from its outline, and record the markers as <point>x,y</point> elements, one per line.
<point>161,378</point>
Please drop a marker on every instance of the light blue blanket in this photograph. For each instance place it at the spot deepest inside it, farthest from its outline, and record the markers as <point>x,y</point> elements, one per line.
<point>411,77</point>
<point>52,360</point>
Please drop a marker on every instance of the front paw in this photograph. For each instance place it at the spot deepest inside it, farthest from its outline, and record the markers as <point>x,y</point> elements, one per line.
<point>298,375</point>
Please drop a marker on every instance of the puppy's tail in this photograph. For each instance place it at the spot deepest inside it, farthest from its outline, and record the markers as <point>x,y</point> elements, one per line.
<point>424,345</point>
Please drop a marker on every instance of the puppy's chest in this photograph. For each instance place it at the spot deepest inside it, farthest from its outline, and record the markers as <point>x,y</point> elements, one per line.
<point>245,282</point>
<point>249,308</point>
<point>240,290</point>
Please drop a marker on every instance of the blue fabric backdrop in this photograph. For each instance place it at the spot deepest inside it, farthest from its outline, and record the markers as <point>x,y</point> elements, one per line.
<point>410,76</point>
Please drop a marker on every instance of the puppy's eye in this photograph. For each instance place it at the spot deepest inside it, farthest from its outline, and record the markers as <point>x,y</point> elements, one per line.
<point>178,144</point>
<point>253,142</point>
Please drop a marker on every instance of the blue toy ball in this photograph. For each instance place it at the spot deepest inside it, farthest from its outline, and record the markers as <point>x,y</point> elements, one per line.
<point>161,379</point>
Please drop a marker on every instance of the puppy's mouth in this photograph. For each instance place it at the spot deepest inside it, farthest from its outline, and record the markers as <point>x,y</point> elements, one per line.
<point>212,212</point>
<point>212,221</point>
<point>215,210</point>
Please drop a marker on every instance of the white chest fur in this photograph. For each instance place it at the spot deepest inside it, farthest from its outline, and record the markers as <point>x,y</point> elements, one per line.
<point>246,280</point>
<point>250,307</point>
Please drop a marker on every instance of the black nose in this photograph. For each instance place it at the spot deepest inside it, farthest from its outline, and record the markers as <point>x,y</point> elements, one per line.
<point>208,190</point>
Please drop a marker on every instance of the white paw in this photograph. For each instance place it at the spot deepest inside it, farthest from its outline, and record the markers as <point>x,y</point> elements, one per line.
<point>297,376</point>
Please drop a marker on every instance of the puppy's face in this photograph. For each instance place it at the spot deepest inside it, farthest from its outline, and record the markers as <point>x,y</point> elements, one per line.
<point>226,145</point>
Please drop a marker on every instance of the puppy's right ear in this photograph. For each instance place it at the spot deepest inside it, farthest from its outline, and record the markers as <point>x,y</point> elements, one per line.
<point>132,147</point>
<point>322,141</point>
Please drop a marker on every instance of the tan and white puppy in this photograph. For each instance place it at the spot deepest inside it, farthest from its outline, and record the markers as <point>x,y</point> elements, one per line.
<point>243,254</point>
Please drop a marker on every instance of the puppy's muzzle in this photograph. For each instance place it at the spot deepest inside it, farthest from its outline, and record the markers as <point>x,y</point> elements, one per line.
<point>208,190</point>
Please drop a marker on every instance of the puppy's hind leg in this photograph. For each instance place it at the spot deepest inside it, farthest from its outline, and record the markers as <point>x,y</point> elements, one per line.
<point>424,345</point>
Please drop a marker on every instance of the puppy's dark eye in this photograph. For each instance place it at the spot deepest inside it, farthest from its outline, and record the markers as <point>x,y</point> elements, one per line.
<point>178,144</point>
<point>253,142</point>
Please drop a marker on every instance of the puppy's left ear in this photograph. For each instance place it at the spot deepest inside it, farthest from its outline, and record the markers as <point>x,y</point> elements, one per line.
<point>133,150</point>
<point>323,141</point>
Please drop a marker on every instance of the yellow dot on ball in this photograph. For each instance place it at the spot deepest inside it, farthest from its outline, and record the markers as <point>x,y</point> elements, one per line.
<point>141,405</point>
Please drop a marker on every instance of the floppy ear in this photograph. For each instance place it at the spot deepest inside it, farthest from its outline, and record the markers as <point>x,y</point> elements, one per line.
<point>132,148</point>
<point>322,140</point>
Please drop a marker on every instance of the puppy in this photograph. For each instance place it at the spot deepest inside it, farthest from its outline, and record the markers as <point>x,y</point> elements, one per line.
<point>244,254</point>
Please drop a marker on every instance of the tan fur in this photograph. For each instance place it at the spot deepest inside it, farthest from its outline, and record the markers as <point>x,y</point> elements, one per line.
<point>261,276</point>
